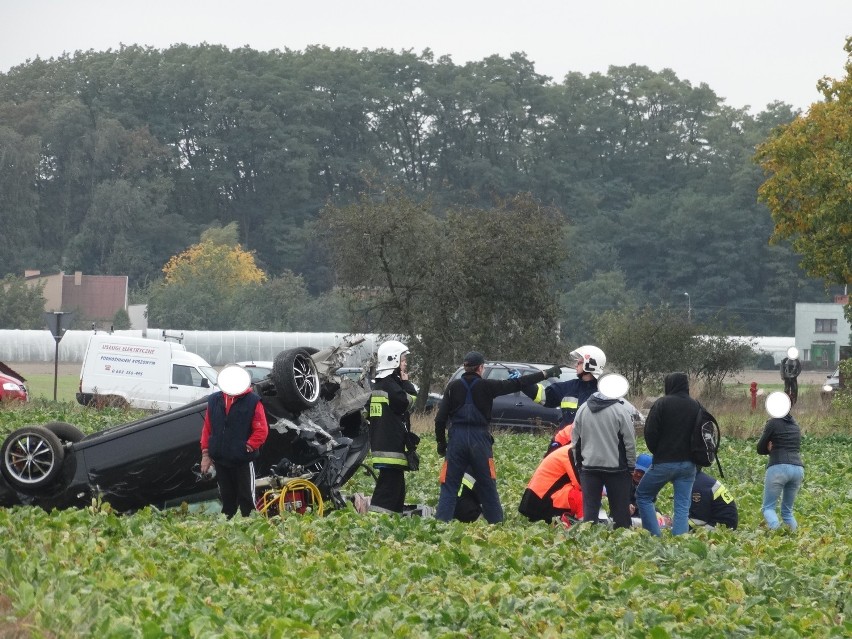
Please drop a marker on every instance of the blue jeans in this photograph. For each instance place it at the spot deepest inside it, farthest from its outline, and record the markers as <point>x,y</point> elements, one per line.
<point>782,480</point>
<point>469,449</point>
<point>682,476</point>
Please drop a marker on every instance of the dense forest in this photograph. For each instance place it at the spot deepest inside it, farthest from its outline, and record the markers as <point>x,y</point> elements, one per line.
<point>112,162</point>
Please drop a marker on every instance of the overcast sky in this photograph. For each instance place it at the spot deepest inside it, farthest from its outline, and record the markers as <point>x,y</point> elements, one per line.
<point>750,52</point>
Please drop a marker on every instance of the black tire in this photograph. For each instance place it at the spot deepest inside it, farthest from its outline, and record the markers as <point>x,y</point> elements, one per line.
<point>296,379</point>
<point>31,458</point>
<point>67,433</point>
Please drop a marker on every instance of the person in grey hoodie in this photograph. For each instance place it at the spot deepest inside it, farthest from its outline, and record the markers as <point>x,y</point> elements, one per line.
<point>605,452</point>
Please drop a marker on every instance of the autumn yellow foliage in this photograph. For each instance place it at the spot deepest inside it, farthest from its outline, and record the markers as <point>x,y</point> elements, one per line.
<point>229,265</point>
<point>809,188</point>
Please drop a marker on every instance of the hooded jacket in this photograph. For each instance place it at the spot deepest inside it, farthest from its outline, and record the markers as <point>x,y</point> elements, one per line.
<point>604,435</point>
<point>668,429</point>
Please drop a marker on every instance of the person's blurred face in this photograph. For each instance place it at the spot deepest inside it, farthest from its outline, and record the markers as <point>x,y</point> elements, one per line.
<point>637,476</point>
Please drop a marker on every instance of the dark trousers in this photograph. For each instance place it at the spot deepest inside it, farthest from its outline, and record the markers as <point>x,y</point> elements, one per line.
<point>617,485</point>
<point>236,488</point>
<point>791,387</point>
<point>389,494</point>
<point>470,449</point>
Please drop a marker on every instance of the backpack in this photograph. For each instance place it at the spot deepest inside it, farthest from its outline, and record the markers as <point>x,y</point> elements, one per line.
<point>706,438</point>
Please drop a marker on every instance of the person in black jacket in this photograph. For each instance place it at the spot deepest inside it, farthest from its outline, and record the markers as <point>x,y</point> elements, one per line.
<point>790,369</point>
<point>391,440</point>
<point>785,471</point>
<point>467,404</point>
<point>668,435</point>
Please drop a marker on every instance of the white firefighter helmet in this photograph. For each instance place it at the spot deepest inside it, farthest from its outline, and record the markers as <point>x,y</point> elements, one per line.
<point>592,357</point>
<point>389,357</point>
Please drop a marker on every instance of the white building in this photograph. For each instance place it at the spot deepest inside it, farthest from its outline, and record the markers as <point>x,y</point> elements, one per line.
<point>821,332</point>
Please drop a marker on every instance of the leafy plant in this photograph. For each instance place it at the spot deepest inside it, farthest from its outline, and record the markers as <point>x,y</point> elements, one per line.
<point>185,573</point>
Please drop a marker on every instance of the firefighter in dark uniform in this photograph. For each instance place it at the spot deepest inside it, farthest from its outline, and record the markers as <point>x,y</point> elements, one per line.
<point>569,396</point>
<point>391,441</point>
<point>467,404</point>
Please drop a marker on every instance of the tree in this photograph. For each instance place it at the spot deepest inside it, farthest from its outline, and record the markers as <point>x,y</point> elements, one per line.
<point>644,344</point>
<point>476,278</point>
<point>809,189</point>
<point>201,283</point>
<point>21,305</point>
<point>218,257</point>
<point>588,299</point>
<point>718,356</point>
<point>121,320</point>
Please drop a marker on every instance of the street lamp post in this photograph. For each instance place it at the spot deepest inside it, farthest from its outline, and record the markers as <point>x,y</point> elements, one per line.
<point>688,307</point>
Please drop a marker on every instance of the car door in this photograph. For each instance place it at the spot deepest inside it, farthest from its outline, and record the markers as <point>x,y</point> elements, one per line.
<point>188,384</point>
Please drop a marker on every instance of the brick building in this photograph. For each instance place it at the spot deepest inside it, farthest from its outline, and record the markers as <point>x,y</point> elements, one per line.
<point>94,298</point>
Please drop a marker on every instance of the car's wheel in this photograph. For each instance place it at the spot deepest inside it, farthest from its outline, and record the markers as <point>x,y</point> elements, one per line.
<point>296,379</point>
<point>65,432</point>
<point>31,457</point>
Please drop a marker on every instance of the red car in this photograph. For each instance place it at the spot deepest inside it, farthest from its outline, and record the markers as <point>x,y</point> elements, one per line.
<point>12,385</point>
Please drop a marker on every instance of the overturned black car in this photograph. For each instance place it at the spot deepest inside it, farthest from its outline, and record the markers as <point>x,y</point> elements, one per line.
<point>317,432</point>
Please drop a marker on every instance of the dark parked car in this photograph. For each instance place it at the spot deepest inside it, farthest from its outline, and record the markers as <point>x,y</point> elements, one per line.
<point>517,412</point>
<point>316,431</point>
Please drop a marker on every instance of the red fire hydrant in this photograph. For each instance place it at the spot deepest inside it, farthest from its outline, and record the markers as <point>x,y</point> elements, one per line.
<point>753,391</point>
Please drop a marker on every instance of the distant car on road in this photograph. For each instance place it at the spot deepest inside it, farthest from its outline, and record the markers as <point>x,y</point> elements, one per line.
<point>12,386</point>
<point>517,412</point>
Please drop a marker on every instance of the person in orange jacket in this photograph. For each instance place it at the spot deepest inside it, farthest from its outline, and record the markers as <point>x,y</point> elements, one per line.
<point>554,489</point>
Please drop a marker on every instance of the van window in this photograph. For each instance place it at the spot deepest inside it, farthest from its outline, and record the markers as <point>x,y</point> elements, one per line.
<point>186,376</point>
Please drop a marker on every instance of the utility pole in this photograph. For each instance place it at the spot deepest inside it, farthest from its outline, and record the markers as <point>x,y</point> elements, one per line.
<point>688,307</point>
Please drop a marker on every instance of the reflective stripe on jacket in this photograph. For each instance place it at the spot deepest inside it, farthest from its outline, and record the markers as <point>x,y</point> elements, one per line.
<point>390,403</point>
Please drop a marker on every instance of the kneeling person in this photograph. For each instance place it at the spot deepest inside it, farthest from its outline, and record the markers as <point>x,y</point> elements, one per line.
<point>711,504</point>
<point>553,490</point>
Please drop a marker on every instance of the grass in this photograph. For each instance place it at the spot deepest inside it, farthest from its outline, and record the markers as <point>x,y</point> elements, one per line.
<point>40,386</point>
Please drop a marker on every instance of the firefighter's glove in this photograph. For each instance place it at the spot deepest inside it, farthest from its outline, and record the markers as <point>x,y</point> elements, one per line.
<point>411,440</point>
<point>442,448</point>
<point>553,371</point>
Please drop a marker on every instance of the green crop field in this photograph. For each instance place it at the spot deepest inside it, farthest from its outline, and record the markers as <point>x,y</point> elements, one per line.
<point>180,573</point>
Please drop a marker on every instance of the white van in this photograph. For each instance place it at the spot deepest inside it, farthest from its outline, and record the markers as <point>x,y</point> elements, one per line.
<point>143,373</point>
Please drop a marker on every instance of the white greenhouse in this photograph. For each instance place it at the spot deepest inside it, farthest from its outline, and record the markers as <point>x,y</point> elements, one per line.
<point>217,347</point>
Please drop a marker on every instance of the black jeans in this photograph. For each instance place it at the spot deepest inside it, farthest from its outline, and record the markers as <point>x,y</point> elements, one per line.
<point>618,485</point>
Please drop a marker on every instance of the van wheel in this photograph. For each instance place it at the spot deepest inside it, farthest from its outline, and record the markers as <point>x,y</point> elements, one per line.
<point>67,433</point>
<point>31,458</point>
<point>296,379</point>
